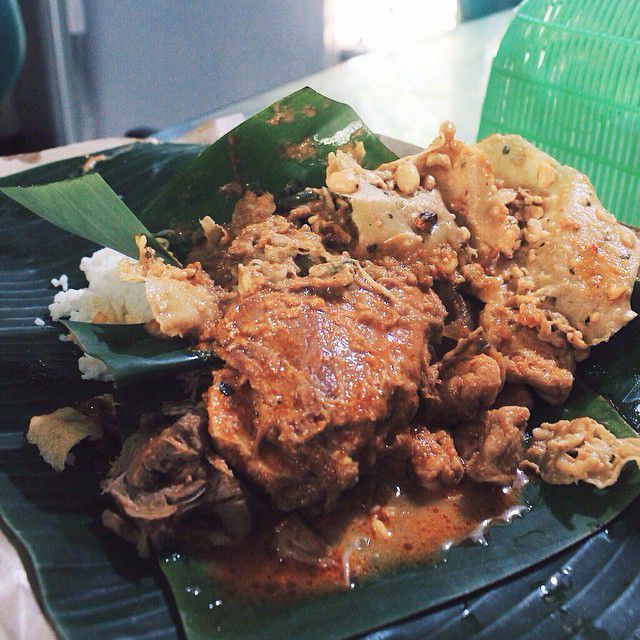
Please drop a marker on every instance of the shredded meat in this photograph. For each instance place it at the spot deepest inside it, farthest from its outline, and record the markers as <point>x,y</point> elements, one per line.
<point>251,209</point>
<point>491,445</point>
<point>160,477</point>
<point>330,220</point>
<point>434,459</point>
<point>214,255</point>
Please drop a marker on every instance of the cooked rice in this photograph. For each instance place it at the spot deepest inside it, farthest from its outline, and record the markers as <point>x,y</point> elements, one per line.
<point>93,369</point>
<point>106,299</point>
<point>62,282</point>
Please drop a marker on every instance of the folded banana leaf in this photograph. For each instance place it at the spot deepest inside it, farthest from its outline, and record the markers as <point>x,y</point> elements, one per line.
<point>89,208</point>
<point>92,585</point>
<point>285,143</point>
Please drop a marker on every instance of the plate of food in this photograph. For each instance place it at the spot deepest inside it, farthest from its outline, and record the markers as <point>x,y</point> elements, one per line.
<point>293,384</point>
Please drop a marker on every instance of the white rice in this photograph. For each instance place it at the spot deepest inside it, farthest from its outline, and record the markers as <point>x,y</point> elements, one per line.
<point>107,298</point>
<point>62,282</point>
<point>39,322</point>
<point>93,369</point>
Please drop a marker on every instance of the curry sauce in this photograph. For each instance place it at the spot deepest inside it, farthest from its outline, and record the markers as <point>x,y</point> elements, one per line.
<point>375,528</point>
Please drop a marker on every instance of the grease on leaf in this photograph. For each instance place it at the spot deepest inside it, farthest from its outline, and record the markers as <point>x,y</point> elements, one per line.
<point>281,114</point>
<point>301,151</point>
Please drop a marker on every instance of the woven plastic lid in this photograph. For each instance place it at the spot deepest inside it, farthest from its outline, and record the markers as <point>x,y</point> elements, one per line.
<point>567,78</point>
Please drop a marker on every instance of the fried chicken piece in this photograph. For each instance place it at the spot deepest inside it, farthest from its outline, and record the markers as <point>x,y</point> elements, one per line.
<point>467,381</point>
<point>547,366</point>
<point>316,377</point>
<point>434,459</point>
<point>491,445</point>
<point>469,385</point>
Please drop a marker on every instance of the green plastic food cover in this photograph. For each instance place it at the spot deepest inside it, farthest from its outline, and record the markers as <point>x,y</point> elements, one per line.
<point>567,78</point>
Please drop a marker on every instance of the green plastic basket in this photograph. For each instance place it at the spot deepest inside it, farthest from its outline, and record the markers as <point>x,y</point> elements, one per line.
<point>567,78</point>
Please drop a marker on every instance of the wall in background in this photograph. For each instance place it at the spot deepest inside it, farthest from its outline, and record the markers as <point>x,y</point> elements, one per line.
<point>160,62</point>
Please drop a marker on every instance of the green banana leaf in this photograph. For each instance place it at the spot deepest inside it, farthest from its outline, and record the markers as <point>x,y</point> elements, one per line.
<point>89,208</point>
<point>286,142</point>
<point>92,585</point>
<point>132,352</point>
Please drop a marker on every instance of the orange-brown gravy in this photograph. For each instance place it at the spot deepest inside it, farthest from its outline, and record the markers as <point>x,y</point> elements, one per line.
<point>376,527</point>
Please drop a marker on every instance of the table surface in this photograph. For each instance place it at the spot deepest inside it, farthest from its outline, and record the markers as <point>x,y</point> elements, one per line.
<point>404,94</point>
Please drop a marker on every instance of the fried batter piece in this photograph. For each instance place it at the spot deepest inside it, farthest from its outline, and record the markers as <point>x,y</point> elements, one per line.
<point>184,302</point>
<point>464,176</point>
<point>317,375</point>
<point>581,449</point>
<point>491,445</point>
<point>546,366</point>
<point>392,214</point>
<point>578,259</point>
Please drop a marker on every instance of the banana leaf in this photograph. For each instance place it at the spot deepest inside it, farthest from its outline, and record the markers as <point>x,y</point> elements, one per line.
<point>132,352</point>
<point>92,585</point>
<point>287,142</point>
<point>89,208</point>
